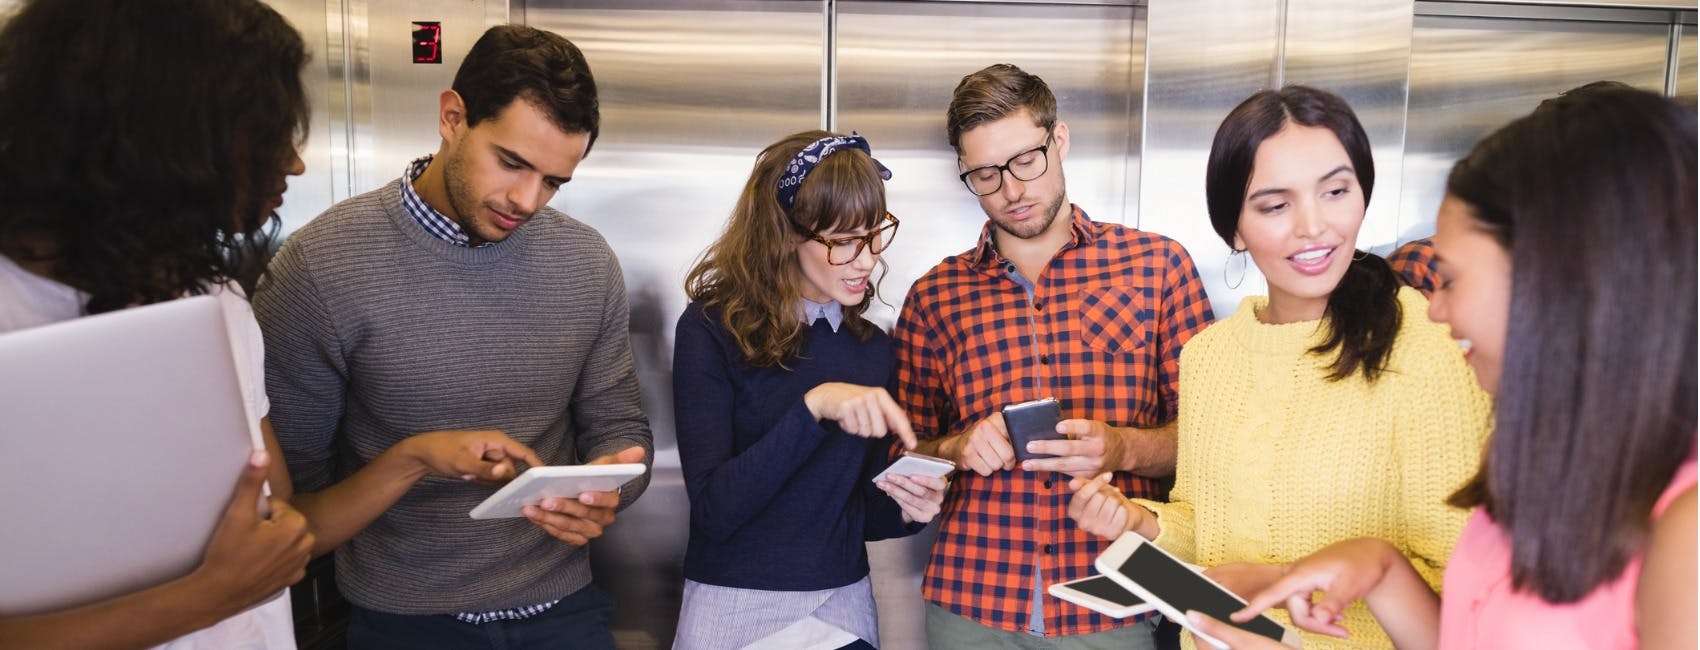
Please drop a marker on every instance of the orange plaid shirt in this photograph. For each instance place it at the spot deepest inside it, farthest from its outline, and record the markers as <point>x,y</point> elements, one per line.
<point>1102,333</point>
<point>1414,262</point>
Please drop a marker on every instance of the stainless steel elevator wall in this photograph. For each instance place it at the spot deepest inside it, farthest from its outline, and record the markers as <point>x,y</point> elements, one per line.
<point>693,89</point>
<point>1685,61</point>
<point>312,191</point>
<point>1472,74</point>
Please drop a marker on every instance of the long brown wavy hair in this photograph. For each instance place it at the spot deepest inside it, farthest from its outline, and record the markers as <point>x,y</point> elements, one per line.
<point>750,274</point>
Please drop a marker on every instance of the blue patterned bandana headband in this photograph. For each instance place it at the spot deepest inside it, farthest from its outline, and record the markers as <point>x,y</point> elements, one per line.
<point>811,156</point>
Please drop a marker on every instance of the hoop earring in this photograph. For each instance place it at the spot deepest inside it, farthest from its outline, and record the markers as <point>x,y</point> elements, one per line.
<point>1359,256</point>
<point>1240,255</point>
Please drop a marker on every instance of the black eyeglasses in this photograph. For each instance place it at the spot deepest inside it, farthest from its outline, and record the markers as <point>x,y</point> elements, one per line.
<point>1024,166</point>
<point>844,250</point>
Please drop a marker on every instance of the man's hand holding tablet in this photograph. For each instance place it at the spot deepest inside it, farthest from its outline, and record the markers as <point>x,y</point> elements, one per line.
<point>572,503</point>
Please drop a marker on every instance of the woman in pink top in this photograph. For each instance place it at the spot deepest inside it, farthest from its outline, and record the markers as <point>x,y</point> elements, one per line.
<point>1567,248</point>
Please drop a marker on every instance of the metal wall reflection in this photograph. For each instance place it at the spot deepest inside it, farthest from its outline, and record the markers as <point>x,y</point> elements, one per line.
<point>310,192</point>
<point>1471,74</point>
<point>897,63</point>
<point>1685,61</point>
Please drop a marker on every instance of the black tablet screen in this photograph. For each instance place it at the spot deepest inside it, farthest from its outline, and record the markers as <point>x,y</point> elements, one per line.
<point>1184,590</point>
<point>1106,589</point>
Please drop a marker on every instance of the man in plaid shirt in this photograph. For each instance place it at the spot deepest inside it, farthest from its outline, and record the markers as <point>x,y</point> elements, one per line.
<point>1048,303</point>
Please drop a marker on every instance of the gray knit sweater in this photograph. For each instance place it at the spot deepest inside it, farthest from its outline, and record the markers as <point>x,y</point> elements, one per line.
<point>375,331</point>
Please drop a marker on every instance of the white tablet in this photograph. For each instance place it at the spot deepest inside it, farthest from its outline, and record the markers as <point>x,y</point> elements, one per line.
<point>1101,594</point>
<point>1175,589</point>
<point>913,464</point>
<point>554,481</point>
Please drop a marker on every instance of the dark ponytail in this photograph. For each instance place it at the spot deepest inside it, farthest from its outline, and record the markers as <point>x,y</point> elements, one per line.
<point>1363,313</point>
<point>1363,318</point>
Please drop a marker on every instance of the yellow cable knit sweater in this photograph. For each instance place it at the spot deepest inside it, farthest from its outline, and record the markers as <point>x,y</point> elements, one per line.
<point>1276,461</point>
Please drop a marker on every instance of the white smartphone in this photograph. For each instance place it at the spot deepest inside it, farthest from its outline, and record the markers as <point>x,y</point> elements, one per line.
<point>1101,594</point>
<point>554,481</point>
<point>913,464</point>
<point>1160,579</point>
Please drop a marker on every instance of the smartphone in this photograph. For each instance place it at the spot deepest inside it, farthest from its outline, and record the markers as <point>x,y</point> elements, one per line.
<point>913,464</point>
<point>1029,421</point>
<point>1167,583</point>
<point>1101,594</point>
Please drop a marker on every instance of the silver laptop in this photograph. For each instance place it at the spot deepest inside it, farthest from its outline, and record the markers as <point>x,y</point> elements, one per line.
<point>121,439</point>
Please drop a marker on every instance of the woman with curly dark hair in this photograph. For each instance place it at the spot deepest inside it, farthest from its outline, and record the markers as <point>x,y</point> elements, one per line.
<point>144,146</point>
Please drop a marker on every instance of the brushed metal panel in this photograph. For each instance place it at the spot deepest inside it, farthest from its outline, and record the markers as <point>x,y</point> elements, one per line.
<point>1685,86</point>
<point>1471,75</point>
<point>1609,13</point>
<point>897,63</point>
<point>1202,59</point>
<point>346,71</point>
<point>1632,4</point>
<point>313,191</point>
<point>690,92</point>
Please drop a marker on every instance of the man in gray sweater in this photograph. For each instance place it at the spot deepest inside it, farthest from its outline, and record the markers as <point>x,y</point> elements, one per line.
<point>424,338</point>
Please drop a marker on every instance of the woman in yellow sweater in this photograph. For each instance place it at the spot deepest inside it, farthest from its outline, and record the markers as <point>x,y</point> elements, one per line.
<point>1331,409</point>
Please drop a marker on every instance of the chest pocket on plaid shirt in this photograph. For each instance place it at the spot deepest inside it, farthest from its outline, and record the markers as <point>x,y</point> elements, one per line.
<point>1114,320</point>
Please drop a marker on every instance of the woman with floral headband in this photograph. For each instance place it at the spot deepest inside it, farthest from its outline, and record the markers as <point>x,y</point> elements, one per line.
<point>782,408</point>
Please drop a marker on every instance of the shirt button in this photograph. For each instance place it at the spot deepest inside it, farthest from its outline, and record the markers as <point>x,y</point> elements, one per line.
<point>1038,305</point>
<point>1047,485</point>
<point>1047,549</point>
<point>1045,359</point>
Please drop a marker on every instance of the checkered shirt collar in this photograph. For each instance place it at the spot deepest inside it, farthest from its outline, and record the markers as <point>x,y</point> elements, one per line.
<point>426,216</point>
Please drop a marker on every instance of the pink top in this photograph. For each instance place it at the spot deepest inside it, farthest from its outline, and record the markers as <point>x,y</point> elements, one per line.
<point>1480,610</point>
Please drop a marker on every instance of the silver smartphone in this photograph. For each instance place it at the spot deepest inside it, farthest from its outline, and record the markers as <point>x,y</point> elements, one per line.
<point>914,464</point>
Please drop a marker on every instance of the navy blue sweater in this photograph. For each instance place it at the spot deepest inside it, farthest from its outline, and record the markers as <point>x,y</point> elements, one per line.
<point>779,501</point>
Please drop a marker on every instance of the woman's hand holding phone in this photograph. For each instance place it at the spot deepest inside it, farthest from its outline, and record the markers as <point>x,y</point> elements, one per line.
<point>919,497</point>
